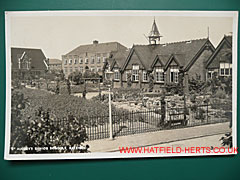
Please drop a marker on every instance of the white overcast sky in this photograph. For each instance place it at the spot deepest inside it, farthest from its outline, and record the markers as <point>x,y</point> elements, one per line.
<point>57,35</point>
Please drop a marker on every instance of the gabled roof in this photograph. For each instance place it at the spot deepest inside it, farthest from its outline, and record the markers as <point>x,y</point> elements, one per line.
<point>97,48</point>
<point>54,61</point>
<point>185,52</point>
<point>36,55</point>
<point>120,57</point>
<point>226,40</point>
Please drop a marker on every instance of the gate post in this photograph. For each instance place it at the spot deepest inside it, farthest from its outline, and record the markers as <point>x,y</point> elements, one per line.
<point>163,110</point>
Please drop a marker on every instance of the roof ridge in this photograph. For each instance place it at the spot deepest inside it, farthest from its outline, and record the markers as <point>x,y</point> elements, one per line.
<point>26,48</point>
<point>175,42</point>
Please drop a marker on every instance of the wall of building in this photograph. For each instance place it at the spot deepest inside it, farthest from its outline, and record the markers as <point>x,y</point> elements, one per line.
<point>68,68</point>
<point>198,68</point>
<point>215,64</point>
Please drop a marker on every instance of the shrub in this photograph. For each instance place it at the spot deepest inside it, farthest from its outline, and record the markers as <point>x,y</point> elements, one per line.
<point>220,93</point>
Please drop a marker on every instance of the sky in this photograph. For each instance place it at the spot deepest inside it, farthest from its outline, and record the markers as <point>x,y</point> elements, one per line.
<point>57,35</point>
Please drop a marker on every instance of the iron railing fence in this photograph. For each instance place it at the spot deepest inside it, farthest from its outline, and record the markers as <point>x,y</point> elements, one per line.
<point>135,122</point>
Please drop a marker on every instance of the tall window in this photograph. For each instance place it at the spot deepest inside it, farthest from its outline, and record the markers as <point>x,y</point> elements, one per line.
<point>75,59</point>
<point>70,61</point>
<point>116,74</point>
<point>65,70</point>
<point>98,59</point>
<point>70,70</point>
<point>225,69</point>
<point>80,60</point>
<point>159,75</point>
<point>174,75</point>
<point>65,61</point>
<point>92,60</point>
<point>145,76</point>
<point>104,59</point>
<point>86,60</point>
<point>81,69</point>
<point>135,73</point>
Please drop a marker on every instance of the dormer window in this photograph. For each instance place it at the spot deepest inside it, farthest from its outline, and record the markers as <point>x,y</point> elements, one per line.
<point>159,75</point>
<point>135,73</point>
<point>116,74</point>
<point>174,75</point>
<point>145,76</point>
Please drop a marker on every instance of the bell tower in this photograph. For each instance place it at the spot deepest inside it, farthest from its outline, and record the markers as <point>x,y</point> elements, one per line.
<point>154,35</point>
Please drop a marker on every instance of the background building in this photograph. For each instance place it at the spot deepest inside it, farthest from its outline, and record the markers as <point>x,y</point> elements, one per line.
<point>28,61</point>
<point>54,64</point>
<point>90,57</point>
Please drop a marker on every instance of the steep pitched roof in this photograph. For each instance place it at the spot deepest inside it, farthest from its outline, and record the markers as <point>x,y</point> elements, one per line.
<point>229,39</point>
<point>226,40</point>
<point>36,55</point>
<point>184,52</point>
<point>54,61</point>
<point>120,57</point>
<point>154,31</point>
<point>97,48</point>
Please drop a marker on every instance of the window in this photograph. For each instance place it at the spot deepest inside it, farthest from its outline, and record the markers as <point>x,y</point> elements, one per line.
<point>75,59</point>
<point>225,69</point>
<point>159,75</point>
<point>145,76</point>
<point>80,60</point>
<point>92,60</point>
<point>76,69</point>
<point>174,75</point>
<point>104,59</point>
<point>93,69</point>
<point>81,69</point>
<point>99,69</point>
<point>65,61</point>
<point>116,74</point>
<point>70,70</point>
<point>86,61</point>
<point>98,60</point>
<point>65,70</point>
<point>135,73</point>
<point>70,61</point>
<point>209,75</point>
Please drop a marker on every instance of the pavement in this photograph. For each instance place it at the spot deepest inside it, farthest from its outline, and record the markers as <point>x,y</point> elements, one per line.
<point>191,136</point>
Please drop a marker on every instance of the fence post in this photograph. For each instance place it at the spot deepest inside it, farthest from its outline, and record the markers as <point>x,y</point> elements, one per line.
<point>207,112</point>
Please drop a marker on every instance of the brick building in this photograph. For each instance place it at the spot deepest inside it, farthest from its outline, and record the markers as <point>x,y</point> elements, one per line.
<point>54,64</point>
<point>91,56</point>
<point>220,62</point>
<point>162,62</point>
<point>28,61</point>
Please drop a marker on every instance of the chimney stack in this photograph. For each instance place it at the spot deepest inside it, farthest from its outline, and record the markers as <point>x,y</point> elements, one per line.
<point>95,42</point>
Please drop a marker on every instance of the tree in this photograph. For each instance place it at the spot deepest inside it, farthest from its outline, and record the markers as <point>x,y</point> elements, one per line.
<point>75,77</point>
<point>151,82</point>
